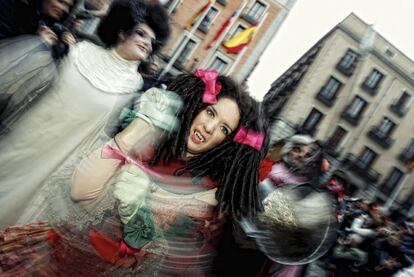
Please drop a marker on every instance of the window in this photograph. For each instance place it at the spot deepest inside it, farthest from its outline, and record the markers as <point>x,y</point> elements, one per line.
<point>348,62</point>
<point>355,109</point>
<point>239,29</point>
<point>390,53</point>
<point>367,157</point>
<point>219,64</point>
<point>337,137</point>
<point>407,155</point>
<point>410,150</point>
<point>172,5</point>
<point>393,179</point>
<point>329,91</point>
<point>186,51</point>
<point>403,100</point>
<point>312,121</point>
<point>385,128</point>
<point>255,12</point>
<point>401,105</point>
<point>372,82</point>
<point>208,19</point>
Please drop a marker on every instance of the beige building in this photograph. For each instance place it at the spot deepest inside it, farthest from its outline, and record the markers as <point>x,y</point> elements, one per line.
<point>187,47</point>
<point>354,91</point>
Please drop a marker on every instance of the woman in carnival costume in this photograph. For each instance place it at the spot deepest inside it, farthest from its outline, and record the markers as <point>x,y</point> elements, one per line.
<point>69,118</point>
<point>161,212</point>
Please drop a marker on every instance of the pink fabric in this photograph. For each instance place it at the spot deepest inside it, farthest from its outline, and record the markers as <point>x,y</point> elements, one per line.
<point>250,138</point>
<point>209,77</point>
<point>160,172</point>
<point>281,175</point>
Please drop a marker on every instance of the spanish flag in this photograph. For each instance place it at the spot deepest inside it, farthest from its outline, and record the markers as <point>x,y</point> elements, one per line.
<point>222,28</point>
<point>196,17</point>
<point>236,43</point>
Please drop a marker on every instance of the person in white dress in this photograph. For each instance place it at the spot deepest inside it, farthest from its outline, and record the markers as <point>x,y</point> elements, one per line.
<point>70,117</point>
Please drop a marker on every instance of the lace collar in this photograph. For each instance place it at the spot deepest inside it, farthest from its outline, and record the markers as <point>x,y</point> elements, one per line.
<point>105,69</point>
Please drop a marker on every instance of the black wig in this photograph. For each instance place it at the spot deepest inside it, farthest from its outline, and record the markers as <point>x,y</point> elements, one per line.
<point>124,15</point>
<point>235,165</point>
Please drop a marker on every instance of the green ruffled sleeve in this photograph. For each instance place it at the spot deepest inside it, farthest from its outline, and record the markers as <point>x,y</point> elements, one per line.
<point>127,116</point>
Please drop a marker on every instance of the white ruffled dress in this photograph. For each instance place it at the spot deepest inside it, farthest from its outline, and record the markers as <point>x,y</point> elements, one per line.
<point>94,84</point>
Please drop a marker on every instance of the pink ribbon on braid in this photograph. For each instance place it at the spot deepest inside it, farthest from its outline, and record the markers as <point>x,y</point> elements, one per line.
<point>250,138</point>
<point>213,88</point>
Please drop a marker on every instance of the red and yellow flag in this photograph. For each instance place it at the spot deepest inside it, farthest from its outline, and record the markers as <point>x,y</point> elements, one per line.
<point>236,43</point>
<point>195,17</point>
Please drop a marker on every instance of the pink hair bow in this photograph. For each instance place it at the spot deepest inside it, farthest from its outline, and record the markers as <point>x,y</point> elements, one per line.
<point>250,138</point>
<point>209,77</point>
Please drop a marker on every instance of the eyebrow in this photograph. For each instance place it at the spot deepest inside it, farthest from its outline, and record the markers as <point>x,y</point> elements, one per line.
<point>215,112</point>
<point>146,33</point>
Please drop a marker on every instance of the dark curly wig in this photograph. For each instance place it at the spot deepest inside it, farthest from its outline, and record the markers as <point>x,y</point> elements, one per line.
<point>124,15</point>
<point>235,165</point>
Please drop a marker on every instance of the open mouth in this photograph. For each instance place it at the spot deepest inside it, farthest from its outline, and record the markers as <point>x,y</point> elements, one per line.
<point>199,136</point>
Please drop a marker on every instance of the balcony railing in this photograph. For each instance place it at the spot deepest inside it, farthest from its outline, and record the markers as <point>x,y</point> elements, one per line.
<point>382,140</point>
<point>405,157</point>
<point>355,165</point>
<point>398,110</point>
<point>347,71</point>
<point>332,149</point>
<point>222,2</point>
<point>371,90</point>
<point>250,18</point>
<point>354,120</point>
<point>325,100</point>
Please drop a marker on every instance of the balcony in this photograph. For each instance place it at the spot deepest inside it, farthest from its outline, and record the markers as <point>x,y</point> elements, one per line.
<point>378,137</point>
<point>222,2</point>
<point>365,172</point>
<point>347,71</point>
<point>404,157</point>
<point>329,102</point>
<point>203,27</point>
<point>398,110</point>
<point>371,90</point>
<point>249,18</point>
<point>351,119</point>
<point>332,149</point>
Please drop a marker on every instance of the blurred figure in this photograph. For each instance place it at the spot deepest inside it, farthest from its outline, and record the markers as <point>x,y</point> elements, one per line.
<point>288,230</point>
<point>18,17</point>
<point>150,73</point>
<point>71,117</point>
<point>33,36</point>
<point>161,213</point>
<point>97,9</point>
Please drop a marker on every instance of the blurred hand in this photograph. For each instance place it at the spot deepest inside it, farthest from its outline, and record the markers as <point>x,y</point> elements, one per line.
<point>68,38</point>
<point>131,185</point>
<point>47,35</point>
<point>161,107</point>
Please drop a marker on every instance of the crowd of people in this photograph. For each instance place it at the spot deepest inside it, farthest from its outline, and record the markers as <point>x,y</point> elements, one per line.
<point>370,243</point>
<point>106,169</point>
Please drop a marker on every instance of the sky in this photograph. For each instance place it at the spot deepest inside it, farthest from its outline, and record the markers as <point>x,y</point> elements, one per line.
<point>310,20</point>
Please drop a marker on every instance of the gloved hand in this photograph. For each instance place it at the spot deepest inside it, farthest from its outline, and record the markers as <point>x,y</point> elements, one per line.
<point>160,107</point>
<point>131,186</point>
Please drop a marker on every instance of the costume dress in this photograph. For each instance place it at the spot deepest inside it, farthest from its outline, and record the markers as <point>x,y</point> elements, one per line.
<point>172,234</point>
<point>93,83</point>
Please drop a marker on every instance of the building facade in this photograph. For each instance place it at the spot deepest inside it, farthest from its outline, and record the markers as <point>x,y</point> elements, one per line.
<point>354,91</point>
<point>187,49</point>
